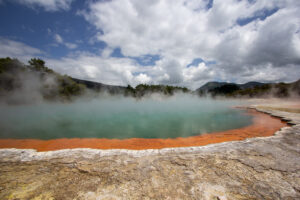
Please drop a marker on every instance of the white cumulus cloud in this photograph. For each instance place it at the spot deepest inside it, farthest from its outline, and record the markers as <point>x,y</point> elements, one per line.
<point>58,38</point>
<point>48,5</point>
<point>61,41</point>
<point>181,31</point>
<point>237,40</point>
<point>14,49</point>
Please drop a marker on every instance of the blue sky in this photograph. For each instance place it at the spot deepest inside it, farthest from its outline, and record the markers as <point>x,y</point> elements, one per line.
<point>183,43</point>
<point>37,28</point>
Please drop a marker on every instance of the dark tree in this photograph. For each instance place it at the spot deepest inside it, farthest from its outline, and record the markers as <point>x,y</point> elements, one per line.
<point>37,64</point>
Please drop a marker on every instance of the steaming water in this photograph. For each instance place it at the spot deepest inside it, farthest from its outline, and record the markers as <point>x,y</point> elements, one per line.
<point>121,118</point>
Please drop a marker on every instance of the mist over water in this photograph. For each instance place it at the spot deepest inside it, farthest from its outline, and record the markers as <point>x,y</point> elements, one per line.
<point>119,117</point>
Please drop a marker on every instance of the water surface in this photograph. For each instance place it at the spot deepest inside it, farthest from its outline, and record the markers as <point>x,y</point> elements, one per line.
<point>114,117</point>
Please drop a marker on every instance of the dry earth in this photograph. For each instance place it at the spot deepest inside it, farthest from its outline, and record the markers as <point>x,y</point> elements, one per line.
<point>257,168</point>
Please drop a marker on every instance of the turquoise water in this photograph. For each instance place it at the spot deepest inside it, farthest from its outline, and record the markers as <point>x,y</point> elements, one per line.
<point>121,118</point>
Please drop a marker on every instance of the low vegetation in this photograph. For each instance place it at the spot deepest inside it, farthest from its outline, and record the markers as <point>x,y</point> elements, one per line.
<point>37,81</point>
<point>144,89</point>
<point>36,78</point>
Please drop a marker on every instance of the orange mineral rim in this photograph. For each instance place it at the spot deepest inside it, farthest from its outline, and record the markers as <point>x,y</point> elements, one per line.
<point>262,125</point>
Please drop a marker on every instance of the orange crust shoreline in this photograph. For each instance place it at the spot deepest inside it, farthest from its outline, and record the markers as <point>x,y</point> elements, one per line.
<point>263,125</point>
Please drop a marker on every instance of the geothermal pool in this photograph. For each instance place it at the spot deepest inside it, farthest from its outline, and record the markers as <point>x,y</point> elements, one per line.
<point>120,118</point>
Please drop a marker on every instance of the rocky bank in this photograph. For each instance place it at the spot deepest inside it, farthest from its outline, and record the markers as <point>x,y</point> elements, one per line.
<point>257,168</point>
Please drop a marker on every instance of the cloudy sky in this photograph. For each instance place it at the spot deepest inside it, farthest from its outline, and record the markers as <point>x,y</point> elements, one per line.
<point>182,42</point>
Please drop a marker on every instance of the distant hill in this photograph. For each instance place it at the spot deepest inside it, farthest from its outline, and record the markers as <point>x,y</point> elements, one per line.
<point>250,89</point>
<point>210,86</point>
<point>218,87</point>
<point>100,87</point>
<point>251,84</point>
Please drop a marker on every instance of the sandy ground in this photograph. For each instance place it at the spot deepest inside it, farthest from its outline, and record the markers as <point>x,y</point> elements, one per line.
<point>263,125</point>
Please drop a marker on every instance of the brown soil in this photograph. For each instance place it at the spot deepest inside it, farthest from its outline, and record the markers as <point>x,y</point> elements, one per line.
<point>263,125</point>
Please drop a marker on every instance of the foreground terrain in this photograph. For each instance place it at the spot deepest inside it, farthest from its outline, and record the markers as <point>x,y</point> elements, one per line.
<point>257,168</point>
